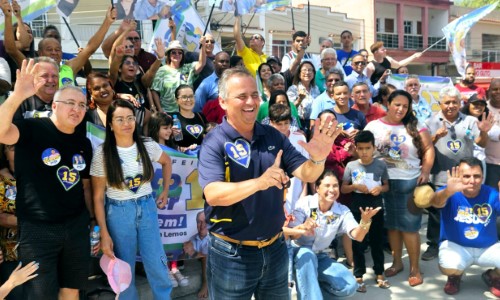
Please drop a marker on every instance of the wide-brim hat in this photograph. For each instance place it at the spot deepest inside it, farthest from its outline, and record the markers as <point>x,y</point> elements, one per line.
<point>423,194</point>
<point>175,44</point>
<point>5,71</point>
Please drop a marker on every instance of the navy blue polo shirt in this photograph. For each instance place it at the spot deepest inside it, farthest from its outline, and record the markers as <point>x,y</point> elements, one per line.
<point>261,215</point>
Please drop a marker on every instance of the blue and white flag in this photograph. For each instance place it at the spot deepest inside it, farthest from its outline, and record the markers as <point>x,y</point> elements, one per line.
<point>30,10</point>
<point>242,7</point>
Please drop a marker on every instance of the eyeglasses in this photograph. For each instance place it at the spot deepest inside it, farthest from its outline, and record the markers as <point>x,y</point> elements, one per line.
<point>186,98</point>
<point>78,106</point>
<point>120,121</point>
<point>129,62</point>
<point>255,37</point>
<point>333,80</point>
<point>129,46</point>
<point>359,63</point>
<point>178,52</point>
<point>306,70</point>
<point>210,42</point>
<point>134,39</point>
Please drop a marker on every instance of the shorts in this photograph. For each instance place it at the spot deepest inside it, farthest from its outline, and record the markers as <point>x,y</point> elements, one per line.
<point>62,251</point>
<point>456,257</point>
<point>396,213</point>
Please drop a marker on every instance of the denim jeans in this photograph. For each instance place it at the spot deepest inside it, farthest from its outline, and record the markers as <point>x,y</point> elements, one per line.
<point>133,225</point>
<point>238,272</point>
<point>318,276</point>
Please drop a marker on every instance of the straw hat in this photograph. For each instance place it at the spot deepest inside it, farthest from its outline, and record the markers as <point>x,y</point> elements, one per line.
<point>423,195</point>
<point>175,44</point>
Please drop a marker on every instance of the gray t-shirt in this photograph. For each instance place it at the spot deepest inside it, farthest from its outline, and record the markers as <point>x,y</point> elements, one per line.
<point>371,175</point>
<point>457,144</point>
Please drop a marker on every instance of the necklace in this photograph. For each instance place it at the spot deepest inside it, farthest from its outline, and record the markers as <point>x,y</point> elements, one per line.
<point>130,88</point>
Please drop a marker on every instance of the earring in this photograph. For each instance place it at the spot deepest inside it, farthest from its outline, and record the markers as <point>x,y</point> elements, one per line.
<point>92,104</point>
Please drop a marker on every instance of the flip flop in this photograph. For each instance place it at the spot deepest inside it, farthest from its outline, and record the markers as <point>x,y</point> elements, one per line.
<point>383,284</point>
<point>361,288</point>
<point>390,272</point>
<point>415,280</point>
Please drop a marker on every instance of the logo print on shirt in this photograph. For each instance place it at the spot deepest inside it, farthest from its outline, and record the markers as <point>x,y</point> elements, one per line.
<point>195,130</point>
<point>51,157</point>
<point>79,162</point>
<point>239,152</point>
<point>68,177</point>
<point>134,183</point>
<point>454,146</point>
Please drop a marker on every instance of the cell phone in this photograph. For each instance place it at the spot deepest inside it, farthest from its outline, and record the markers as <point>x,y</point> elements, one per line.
<point>389,72</point>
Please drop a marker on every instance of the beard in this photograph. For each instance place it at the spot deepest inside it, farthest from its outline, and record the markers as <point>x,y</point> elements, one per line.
<point>468,81</point>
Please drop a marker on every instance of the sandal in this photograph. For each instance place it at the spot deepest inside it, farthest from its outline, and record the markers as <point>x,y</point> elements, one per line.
<point>392,271</point>
<point>383,283</point>
<point>361,288</point>
<point>415,280</point>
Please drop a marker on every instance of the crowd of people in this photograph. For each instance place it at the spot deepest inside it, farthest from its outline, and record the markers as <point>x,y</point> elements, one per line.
<point>296,156</point>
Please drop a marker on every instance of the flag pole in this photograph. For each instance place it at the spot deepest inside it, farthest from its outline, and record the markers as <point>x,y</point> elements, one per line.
<point>427,49</point>
<point>293,19</point>
<point>208,21</point>
<point>71,31</point>
<point>308,19</point>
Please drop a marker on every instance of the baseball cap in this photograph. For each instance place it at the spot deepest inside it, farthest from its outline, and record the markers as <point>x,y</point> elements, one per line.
<point>273,59</point>
<point>118,272</point>
<point>476,98</point>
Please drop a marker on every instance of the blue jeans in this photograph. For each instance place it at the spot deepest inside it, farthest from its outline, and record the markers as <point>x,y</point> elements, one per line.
<point>133,225</point>
<point>238,272</point>
<point>318,276</point>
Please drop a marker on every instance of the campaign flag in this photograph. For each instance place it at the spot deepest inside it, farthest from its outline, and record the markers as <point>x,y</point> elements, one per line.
<point>248,6</point>
<point>65,7</point>
<point>456,31</point>
<point>429,89</point>
<point>30,9</point>
<point>177,221</point>
<point>190,28</point>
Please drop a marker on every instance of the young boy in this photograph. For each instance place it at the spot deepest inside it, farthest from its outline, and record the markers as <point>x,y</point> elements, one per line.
<point>366,179</point>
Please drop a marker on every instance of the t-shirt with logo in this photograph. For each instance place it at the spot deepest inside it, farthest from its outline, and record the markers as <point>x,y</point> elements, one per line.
<point>193,130</point>
<point>471,222</point>
<point>50,167</point>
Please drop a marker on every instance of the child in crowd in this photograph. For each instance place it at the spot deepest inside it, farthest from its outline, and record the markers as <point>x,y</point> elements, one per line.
<point>160,130</point>
<point>367,178</point>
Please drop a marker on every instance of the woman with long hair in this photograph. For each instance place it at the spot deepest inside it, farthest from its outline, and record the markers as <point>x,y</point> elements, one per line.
<point>303,91</point>
<point>406,147</point>
<point>122,171</point>
<point>263,73</point>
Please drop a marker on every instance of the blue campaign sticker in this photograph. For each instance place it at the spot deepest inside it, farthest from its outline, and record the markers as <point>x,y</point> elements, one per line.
<point>66,81</point>
<point>239,152</point>
<point>397,139</point>
<point>195,130</point>
<point>134,183</point>
<point>10,192</point>
<point>68,177</point>
<point>51,157</point>
<point>454,145</point>
<point>79,162</point>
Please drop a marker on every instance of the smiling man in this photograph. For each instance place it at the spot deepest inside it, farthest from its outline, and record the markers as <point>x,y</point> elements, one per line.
<point>468,230</point>
<point>52,191</point>
<point>243,167</point>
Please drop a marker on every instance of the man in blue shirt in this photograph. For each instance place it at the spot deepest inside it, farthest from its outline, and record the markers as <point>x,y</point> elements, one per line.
<point>209,88</point>
<point>468,229</point>
<point>325,100</point>
<point>243,169</point>
<point>346,54</point>
<point>420,106</point>
<point>358,66</point>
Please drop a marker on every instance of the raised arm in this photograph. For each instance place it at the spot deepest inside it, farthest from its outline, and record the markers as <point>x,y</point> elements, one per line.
<point>114,64</point>
<point>203,56</point>
<point>147,78</point>
<point>95,41</point>
<point>396,64</point>
<point>9,40</point>
<point>24,40</point>
<point>107,44</point>
<point>127,25</point>
<point>240,43</point>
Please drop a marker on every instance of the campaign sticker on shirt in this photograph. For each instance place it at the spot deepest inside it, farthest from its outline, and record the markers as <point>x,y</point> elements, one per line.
<point>358,176</point>
<point>79,162</point>
<point>395,153</point>
<point>66,81</point>
<point>397,139</point>
<point>239,152</point>
<point>134,183</point>
<point>454,146</point>
<point>483,213</point>
<point>471,233</point>
<point>195,130</point>
<point>314,214</point>
<point>10,192</point>
<point>51,157</point>
<point>68,177</point>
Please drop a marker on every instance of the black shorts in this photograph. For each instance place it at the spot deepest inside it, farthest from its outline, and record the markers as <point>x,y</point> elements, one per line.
<point>62,251</point>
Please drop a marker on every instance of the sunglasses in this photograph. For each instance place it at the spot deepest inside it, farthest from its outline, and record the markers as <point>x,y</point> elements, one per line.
<point>134,39</point>
<point>210,42</point>
<point>129,47</point>
<point>255,37</point>
<point>359,63</point>
<point>129,62</point>
<point>174,52</point>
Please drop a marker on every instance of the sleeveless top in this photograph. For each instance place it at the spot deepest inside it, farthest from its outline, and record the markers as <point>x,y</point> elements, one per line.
<point>379,69</point>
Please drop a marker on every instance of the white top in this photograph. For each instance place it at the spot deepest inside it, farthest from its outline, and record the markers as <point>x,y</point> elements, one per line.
<point>492,149</point>
<point>337,220</point>
<point>293,192</point>
<point>395,147</point>
<point>134,186</point>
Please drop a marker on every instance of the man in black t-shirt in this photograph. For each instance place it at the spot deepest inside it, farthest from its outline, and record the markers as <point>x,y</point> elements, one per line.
<point>53,190</point>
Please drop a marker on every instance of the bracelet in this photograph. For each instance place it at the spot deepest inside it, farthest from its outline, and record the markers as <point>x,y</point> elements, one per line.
<point>365,226</point>
<point>317,162</point>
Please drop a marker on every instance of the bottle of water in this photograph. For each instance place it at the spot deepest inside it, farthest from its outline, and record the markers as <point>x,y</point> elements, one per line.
<point>95,237</point>
<point>177,129</point>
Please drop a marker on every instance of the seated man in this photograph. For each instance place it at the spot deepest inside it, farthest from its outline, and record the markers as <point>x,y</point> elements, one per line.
<point>468,229</point>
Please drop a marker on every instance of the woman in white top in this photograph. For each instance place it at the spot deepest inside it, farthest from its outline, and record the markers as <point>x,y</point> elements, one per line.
<point>122,171</point>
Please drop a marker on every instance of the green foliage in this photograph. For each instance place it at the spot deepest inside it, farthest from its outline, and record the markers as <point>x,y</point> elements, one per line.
<point>475,3</point>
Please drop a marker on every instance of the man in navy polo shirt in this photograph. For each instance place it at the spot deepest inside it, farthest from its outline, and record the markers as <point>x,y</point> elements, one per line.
<point>243,168</point>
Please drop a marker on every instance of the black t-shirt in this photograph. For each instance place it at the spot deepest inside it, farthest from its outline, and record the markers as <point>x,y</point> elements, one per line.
<point>50,166</point>
<point>207,70</point>
<point>135,89</point>
<point>192,130</point>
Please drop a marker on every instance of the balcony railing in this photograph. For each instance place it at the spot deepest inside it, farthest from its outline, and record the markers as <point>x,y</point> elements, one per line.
<point>390,40</point>
<point>413,42</point>
<point>490,55</point>
<point>441,46</point>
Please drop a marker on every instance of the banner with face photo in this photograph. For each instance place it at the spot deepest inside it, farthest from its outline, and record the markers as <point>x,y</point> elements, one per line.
<point>182,227</point>
<point>429,90</point>
<point>243,7</point>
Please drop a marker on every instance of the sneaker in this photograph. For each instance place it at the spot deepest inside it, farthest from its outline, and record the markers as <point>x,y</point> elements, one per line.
<point>172,279</point>
<point>431,253</point>
<point>183,281</point>
<point>452,286</point>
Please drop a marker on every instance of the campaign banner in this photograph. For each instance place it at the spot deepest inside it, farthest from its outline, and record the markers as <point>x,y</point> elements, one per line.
<point>30,9</point>
<point>429,90</point>
<point>178,220</point>
<point>145,10</point>
<point>190,28</point>
<point>242,7</point>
